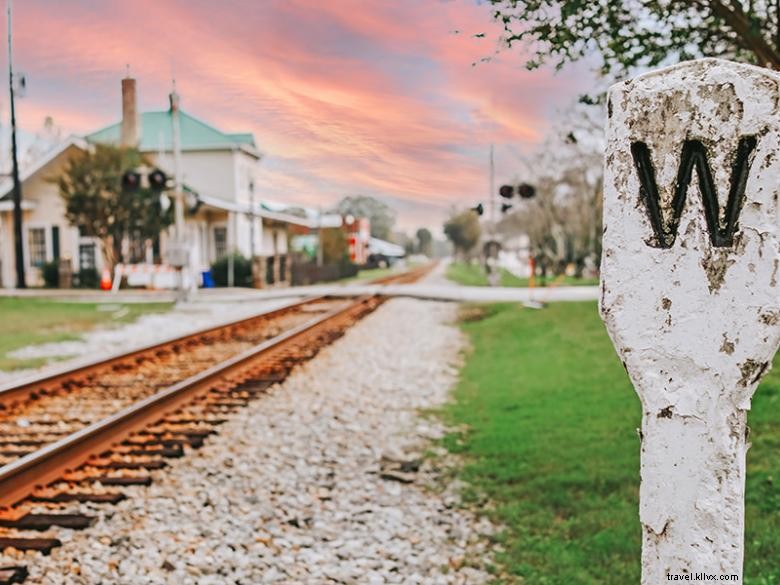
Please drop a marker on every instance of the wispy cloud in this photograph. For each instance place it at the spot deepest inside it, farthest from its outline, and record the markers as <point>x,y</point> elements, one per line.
<point>346,97</point>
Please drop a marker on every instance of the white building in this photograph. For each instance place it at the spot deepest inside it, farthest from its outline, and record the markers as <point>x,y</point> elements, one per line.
<point>220,168</point>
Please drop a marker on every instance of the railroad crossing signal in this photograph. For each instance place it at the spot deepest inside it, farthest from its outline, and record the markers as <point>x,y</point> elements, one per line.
<point>523,190</point>
<point>526,191</point>
<point>132,180</point>
<point>157,180</point>
<point>690,293</point>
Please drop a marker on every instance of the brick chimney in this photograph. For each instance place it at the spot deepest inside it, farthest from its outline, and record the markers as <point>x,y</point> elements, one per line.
<point>129,135</point>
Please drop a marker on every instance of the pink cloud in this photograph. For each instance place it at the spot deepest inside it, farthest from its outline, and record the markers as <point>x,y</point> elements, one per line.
<point>343,97</point>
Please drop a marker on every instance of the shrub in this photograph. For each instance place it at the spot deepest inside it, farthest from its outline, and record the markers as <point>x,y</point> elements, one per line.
<point>87,278</point>
<point>242,271</point>
<point>51,274</point>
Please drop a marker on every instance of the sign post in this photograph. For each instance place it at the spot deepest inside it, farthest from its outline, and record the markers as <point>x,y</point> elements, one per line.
<point>690,294</point>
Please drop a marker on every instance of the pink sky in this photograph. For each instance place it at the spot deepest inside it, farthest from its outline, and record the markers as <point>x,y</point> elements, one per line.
<point>344,97</point>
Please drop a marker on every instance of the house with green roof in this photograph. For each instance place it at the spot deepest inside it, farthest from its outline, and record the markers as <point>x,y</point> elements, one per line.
<point>218,170</point>
<point>46,233</point>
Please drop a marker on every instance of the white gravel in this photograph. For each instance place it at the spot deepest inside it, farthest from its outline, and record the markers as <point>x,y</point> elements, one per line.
<point>292,488</point>
<point>182,319</point>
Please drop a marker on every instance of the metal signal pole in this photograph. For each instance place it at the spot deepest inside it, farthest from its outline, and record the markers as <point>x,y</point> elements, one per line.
<point>492,200</point>
<point>17,191</point>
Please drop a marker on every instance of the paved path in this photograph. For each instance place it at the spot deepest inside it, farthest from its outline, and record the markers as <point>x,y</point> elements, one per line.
<point>443,292</point>
<point>434,287</point>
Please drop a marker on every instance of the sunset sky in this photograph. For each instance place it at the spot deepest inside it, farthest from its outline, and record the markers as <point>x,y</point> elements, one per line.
<point>344,97</point>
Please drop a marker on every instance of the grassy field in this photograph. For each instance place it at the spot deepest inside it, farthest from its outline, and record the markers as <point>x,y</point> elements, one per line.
<point>553,453</point>
<point>370,274</point>
<point>33,321</point>
<point>474,275</point>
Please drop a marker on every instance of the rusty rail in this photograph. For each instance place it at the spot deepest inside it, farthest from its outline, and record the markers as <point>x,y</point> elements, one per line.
<point>19,390</point>
<point>20,478</point>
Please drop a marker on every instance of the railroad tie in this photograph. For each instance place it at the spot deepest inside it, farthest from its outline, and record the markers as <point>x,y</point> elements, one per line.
<point>9,575</point>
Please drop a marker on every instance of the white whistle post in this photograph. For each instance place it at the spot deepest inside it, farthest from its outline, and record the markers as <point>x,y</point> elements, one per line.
<point>690,295</point>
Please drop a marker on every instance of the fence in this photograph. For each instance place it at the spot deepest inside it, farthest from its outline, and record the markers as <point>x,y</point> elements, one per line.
<point>310,273</point>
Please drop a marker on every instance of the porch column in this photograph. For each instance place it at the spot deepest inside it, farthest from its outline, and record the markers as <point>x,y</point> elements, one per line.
<point>231,247</point>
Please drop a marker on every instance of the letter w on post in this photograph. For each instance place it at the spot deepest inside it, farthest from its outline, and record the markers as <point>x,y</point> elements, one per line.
<point>694,154</point>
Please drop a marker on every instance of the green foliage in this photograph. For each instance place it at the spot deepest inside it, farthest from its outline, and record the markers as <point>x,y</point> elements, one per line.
<point>51,274</point>
<point>642,33</point>
<point>87,278</point>
<point>335,248</point>
<point>424,241</point>
<point>96,203</point>
<point>381,216</point>
<point>467,274</point>
<point>552,445</point>
<point>470,274</point>
<point>463,230</point>
<point>242,271</point>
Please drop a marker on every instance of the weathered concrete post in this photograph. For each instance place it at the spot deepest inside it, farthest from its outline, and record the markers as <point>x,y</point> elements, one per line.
<point>690,294</point>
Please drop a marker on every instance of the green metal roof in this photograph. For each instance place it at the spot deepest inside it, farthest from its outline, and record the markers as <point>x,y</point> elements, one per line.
<point>156,134</point>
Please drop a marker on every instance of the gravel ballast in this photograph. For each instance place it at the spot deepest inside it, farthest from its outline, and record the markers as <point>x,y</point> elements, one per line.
<point>321,481</point>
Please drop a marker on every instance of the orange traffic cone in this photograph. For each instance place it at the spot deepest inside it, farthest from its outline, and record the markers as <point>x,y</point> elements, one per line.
<point>105,280</point>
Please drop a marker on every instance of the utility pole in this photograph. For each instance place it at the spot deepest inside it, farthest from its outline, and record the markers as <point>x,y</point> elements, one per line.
<point>252,221</point>
<point>181,252</point>
<point>320,255</point>
<point>252,230</point>
<point>491,199</point>
<point>17,192</point>
<point>176,147</point>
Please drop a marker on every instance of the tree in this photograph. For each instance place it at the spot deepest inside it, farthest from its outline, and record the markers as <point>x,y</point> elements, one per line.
<point>563,220</point>
<point>335,249</point>
<point>630,34</point>
<point>96,202</point>
<point>381,216</point>
<point>295,211</point>
<point>424,241</point>
<point>463,230</point>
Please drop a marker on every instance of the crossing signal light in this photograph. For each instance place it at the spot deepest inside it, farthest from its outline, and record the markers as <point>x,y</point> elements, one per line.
<point>505,207</point>
<point>157,180</point>
<point>526,191</point>
<point>478,209</point>
<point>131,181</point>
<point>506,191</point>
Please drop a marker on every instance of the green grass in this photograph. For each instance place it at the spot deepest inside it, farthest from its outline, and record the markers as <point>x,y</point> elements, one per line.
<point>34,321</point>
<point>474,275</point>
<point>370,274</point>
<point>374,273</point>
<point>553,447</point>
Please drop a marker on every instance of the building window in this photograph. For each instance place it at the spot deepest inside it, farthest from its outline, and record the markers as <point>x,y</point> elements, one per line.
<point>136,248</point>
<point>55,242</point>
<point>269,270</point>
<point>220,242</point>
<point>87,256</point>
<point>37,245</point>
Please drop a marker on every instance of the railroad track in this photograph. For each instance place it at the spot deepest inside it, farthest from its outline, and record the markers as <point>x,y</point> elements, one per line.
<point>72,440</point>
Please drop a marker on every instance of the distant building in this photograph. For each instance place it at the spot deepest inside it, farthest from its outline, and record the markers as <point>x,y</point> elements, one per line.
<point>217,168</point>
<point>47,234</point>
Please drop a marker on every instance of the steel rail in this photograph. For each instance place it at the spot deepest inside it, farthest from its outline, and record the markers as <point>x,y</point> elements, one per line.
<point>16,390</point>
<point>21,477</point>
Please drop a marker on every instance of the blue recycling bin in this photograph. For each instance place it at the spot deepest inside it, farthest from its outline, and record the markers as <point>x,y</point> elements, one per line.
<point>207,278</point>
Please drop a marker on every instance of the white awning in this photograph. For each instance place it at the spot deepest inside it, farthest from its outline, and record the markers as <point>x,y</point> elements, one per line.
<point>224,205</point>
<point>377,246</point>
<point>8,205</point>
